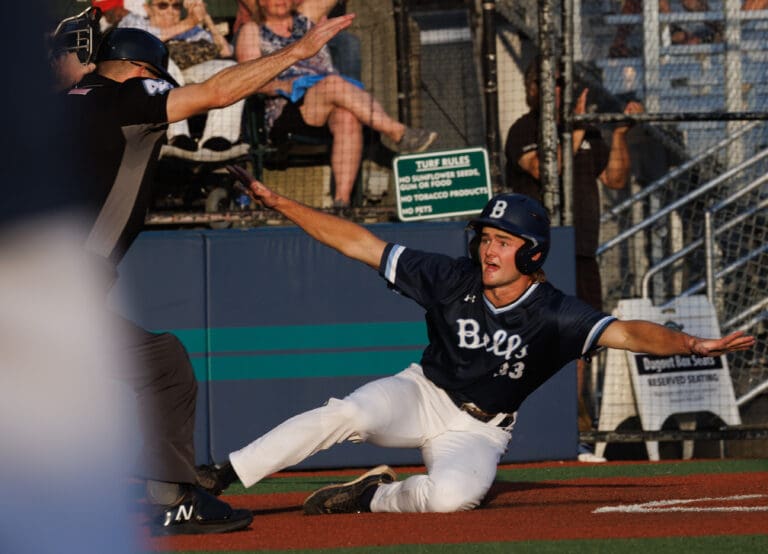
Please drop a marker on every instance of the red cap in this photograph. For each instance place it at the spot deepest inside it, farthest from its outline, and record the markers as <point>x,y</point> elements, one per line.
<point>107,5</point>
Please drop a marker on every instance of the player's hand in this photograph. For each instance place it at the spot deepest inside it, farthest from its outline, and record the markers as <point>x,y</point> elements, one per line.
<point>264,194</point>
<point>716,347</point>
<point>253,187</point>
<point>311,43</point>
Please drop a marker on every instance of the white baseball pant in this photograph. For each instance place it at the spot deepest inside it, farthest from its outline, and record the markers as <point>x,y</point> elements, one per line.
<point>406,410</point>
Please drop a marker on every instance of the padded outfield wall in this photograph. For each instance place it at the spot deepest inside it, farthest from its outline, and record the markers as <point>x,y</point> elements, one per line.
<point>276,323</point>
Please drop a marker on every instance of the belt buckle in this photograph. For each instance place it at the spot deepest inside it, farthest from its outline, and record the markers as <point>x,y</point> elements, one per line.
<point>476,412</point>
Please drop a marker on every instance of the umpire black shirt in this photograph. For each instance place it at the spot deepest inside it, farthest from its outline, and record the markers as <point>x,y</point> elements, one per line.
<point>118,129</point>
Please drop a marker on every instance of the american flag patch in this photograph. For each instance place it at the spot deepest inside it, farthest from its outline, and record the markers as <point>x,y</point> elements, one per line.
<point>80,91</point>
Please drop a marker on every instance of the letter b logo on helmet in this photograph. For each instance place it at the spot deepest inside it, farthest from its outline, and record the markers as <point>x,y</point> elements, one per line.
<point>523,217</point>
<point>499,207</point>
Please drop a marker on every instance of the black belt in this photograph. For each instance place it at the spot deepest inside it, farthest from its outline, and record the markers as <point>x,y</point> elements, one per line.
<point>485,417</point>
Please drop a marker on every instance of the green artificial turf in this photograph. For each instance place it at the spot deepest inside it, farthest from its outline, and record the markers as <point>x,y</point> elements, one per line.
<point>741,544</point>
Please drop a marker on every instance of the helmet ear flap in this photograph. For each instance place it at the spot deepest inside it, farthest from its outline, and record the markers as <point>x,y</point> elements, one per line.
<point>524,258</point>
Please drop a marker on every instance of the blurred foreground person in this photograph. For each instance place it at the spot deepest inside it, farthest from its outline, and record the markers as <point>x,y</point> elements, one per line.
<point>66,428</point>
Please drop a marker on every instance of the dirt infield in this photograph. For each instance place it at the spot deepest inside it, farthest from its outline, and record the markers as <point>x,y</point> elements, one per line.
<point>585,508</point>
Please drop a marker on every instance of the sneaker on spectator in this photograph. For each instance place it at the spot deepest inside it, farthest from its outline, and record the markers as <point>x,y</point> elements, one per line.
<point>587,454</point>
<point>416,140</point>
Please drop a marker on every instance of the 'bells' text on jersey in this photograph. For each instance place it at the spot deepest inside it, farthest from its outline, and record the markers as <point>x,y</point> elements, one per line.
<point>494,357</point>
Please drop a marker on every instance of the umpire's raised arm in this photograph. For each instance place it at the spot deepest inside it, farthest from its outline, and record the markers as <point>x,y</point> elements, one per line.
<point>240,81</point>
<point>349,238</point>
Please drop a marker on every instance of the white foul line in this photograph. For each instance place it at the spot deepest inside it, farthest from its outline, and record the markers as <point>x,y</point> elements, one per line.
<point>682,505</point>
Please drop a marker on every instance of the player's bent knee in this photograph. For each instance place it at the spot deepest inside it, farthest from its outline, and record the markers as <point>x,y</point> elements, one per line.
<point>453,497</point>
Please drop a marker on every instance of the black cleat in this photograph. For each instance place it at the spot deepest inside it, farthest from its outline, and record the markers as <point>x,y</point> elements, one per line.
<point>349,498</point>
<point>200,513</point>
<point>215,479</point>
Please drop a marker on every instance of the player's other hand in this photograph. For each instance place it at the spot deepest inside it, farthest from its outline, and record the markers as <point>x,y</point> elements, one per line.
<point>320,34</point>
<point>249,184</point>
<point>264,194</point>
<point>736,341</point>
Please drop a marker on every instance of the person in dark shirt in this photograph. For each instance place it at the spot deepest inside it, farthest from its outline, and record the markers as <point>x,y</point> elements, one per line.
<point>118,116</point>
<point>593,162</point>
<point>497,331</point>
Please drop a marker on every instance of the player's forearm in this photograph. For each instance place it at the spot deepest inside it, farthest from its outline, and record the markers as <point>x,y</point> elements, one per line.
<point>348,238</point>
<point>647,337</point>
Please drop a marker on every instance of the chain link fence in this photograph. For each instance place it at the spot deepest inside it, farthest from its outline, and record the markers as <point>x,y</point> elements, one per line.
<point>692,220</point>
<point>701,227</point>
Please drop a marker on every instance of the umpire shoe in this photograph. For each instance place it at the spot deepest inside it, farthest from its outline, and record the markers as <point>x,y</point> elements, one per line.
<point>215,479</point>
<point>200,513</point>
<point>349,498</point>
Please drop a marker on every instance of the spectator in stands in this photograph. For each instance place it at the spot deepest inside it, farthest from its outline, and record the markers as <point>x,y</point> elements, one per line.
<point>709,31</point>
<point>312,94</point>
<point>344,47</point>
<point>113,12</point>
<point>593,161</point>
<point>197,47</point>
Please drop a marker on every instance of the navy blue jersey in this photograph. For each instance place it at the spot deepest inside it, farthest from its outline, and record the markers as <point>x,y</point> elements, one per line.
<point>494,357</point>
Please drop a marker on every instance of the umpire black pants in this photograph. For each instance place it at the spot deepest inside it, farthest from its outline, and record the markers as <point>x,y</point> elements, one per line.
<point>162,377</point>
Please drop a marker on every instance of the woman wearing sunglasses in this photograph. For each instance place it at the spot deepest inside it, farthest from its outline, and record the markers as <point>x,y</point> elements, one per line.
<point>186,27</point>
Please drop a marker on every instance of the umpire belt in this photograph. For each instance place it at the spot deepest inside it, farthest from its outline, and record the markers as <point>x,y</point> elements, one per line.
<point>499,420</point>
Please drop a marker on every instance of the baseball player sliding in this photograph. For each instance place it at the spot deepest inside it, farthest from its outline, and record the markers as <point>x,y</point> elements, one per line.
<point>497,331</point>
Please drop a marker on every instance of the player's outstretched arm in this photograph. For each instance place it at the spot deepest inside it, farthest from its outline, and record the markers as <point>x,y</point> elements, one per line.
<point>652,338</point>
<point>349,238</point>
<point>242,80</point>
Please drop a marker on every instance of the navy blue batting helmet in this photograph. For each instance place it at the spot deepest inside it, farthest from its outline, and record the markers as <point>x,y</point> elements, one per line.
<point>523,217</point>
<point>126,43</point>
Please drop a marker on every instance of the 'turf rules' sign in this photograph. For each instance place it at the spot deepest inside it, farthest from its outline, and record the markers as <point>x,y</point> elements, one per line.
<point>442,184</point>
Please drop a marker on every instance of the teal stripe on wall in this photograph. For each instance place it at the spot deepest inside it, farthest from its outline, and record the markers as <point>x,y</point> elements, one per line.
<point>289,366</point>
<point>303,351</point>
<point>310,337</point>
